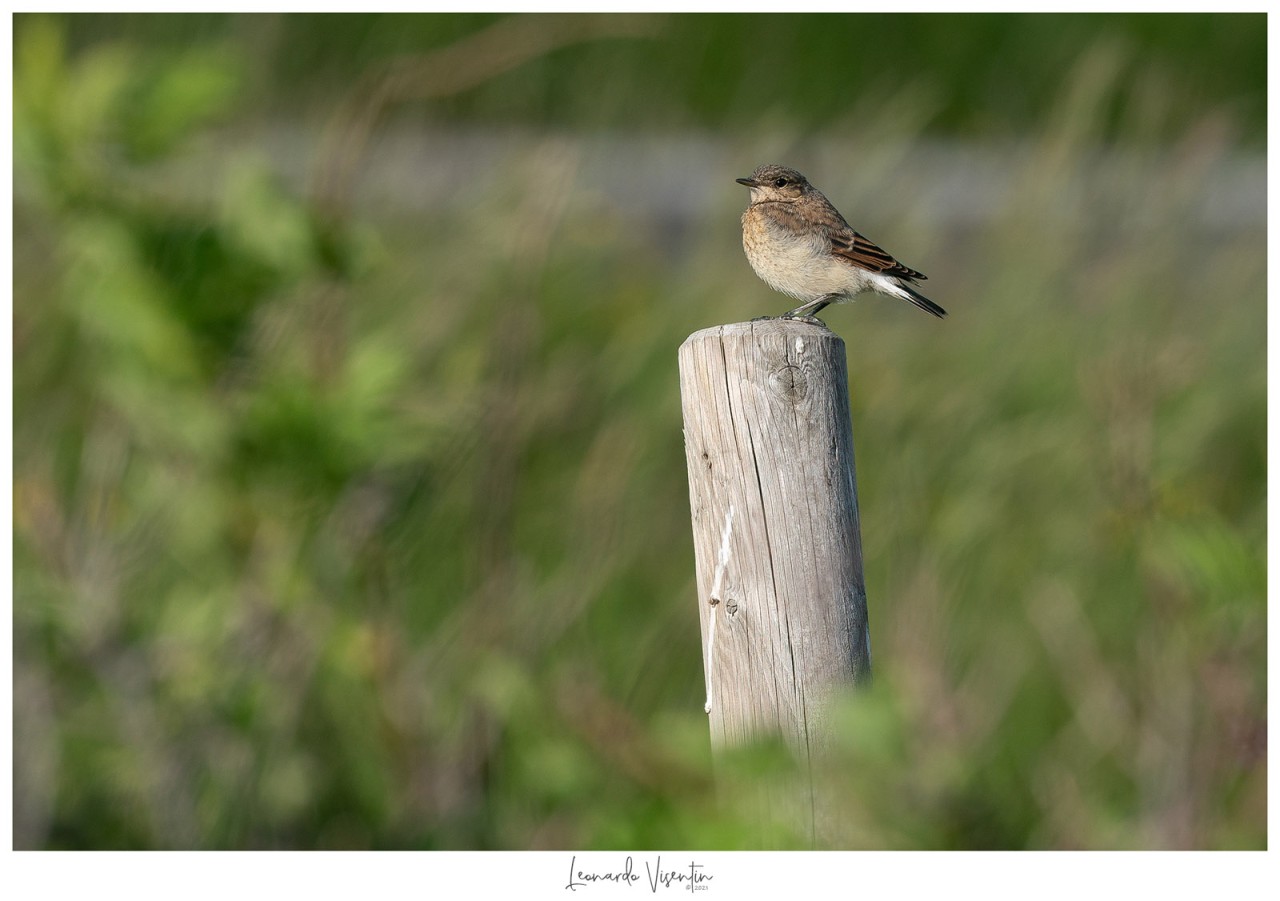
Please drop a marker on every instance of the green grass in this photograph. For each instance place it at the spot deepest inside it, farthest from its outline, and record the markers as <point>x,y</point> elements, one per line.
<point>343,532</point>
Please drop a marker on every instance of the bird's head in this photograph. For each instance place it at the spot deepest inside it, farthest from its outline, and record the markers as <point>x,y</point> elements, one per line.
<point>774,182</point>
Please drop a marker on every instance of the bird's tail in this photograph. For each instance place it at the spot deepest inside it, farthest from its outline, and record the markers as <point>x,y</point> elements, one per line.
<point>920,300</point>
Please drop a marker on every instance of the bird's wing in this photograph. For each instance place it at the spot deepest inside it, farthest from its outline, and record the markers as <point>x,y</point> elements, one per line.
<point>863,253</point>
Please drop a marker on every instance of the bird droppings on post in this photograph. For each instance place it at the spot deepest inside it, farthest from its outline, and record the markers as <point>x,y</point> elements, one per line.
<point>722,558</point>
<point>713,599</point>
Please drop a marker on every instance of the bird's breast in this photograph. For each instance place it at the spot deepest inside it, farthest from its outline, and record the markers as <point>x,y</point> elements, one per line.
<point>794,260</point>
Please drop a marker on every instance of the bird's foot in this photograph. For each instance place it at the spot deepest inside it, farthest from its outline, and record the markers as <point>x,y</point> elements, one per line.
<point>812,320</point>
<point>762,319</point>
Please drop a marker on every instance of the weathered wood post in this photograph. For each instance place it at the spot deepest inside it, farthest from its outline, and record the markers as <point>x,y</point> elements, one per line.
<point>781,596</point>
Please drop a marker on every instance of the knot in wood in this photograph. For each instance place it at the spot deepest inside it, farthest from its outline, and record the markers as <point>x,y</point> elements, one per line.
<point>789,382</point>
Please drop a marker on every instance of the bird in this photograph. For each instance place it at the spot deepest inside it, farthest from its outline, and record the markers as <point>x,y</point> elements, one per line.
<point>799,244</point>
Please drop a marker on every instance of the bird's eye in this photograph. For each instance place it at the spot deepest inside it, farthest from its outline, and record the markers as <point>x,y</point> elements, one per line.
<point>780,183</point>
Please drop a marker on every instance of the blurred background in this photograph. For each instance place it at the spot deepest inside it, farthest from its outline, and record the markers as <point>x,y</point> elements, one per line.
<point>350,503</point>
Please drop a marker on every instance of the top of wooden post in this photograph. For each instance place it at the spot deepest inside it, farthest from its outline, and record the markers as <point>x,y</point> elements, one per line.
<point>763,328</point>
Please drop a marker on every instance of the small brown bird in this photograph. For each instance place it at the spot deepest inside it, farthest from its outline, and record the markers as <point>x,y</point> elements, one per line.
<point>800,245</point>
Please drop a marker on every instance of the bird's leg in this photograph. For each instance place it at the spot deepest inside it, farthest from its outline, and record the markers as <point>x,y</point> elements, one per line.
<point>810,310</point>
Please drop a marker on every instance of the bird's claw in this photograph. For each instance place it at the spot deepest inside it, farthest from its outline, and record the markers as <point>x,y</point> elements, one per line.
<point>812,320</point>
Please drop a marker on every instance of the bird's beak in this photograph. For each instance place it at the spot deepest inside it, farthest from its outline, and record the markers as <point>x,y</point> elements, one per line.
<point>749,182</point>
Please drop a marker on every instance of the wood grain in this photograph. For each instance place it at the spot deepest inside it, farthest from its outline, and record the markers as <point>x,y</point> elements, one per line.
<point>781,597</point>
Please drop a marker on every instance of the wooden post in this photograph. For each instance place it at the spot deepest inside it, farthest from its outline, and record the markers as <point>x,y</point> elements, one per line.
<point>781,596</point>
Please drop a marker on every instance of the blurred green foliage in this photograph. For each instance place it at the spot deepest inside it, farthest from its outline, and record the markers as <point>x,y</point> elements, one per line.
<point>981,74</point>
<point>340,532</point>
